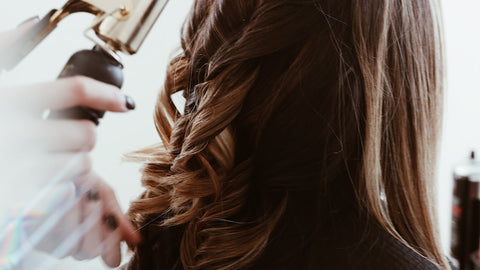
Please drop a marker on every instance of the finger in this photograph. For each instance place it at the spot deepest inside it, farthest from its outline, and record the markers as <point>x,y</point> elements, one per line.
<point>111,209</point>
<point>68,135</point>
<point>65,135</point>
<point>24,26</point>
<point>52,136</point>
<point>9,37</point>
<point>91,245</point>
<point>118,219</point>
<point>111,254</point>
<point>70,92</point>
<point>31,173</point>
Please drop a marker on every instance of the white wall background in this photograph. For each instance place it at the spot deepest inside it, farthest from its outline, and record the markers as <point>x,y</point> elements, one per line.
<point>145,71</point>
<point>461,132</point>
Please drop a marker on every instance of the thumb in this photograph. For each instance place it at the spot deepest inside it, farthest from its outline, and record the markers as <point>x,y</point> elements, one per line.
<point>27,24</point>
<point>9,37</point>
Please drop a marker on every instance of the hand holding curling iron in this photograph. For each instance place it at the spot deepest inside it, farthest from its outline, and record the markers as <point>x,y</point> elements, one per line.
<point>80,214</point>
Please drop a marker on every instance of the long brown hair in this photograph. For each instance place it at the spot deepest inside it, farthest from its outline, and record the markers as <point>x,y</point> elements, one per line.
<point>368,72</point>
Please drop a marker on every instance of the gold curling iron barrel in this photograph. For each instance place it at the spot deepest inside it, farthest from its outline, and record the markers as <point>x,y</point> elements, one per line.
<point>119,26</point>
<point>122,25</point>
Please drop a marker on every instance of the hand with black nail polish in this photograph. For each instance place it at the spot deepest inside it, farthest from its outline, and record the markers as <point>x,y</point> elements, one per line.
<point>111,228</point>
<point>41,151</point>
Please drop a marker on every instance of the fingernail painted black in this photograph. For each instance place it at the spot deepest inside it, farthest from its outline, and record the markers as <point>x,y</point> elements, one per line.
<point>111,222</point>
<point>130,103</point>
<point>92,195</point>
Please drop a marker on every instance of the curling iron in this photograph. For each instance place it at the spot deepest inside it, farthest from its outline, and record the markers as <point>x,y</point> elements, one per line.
<point>118,26</point>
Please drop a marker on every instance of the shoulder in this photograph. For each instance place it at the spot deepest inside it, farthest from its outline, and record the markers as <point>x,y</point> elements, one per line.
<point>343,246</point>
<point>372,249</point>
<point>389,253</point>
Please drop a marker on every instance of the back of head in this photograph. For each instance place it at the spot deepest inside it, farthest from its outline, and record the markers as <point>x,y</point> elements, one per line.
<point>287,95</point>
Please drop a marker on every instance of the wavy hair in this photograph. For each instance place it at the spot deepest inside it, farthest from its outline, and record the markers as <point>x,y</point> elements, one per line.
<point>369,71</point>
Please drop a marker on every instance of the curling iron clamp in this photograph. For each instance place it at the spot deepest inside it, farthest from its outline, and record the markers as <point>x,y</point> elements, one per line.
<point>119,26</point>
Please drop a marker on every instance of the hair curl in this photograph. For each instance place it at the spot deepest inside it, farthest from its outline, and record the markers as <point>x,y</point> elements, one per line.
<point>242,65</point>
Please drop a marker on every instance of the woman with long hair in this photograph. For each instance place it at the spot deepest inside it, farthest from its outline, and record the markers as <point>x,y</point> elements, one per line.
<point>308,139</point>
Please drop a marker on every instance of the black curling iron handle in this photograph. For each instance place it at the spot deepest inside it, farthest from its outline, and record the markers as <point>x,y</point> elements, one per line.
<point>98,65</point>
